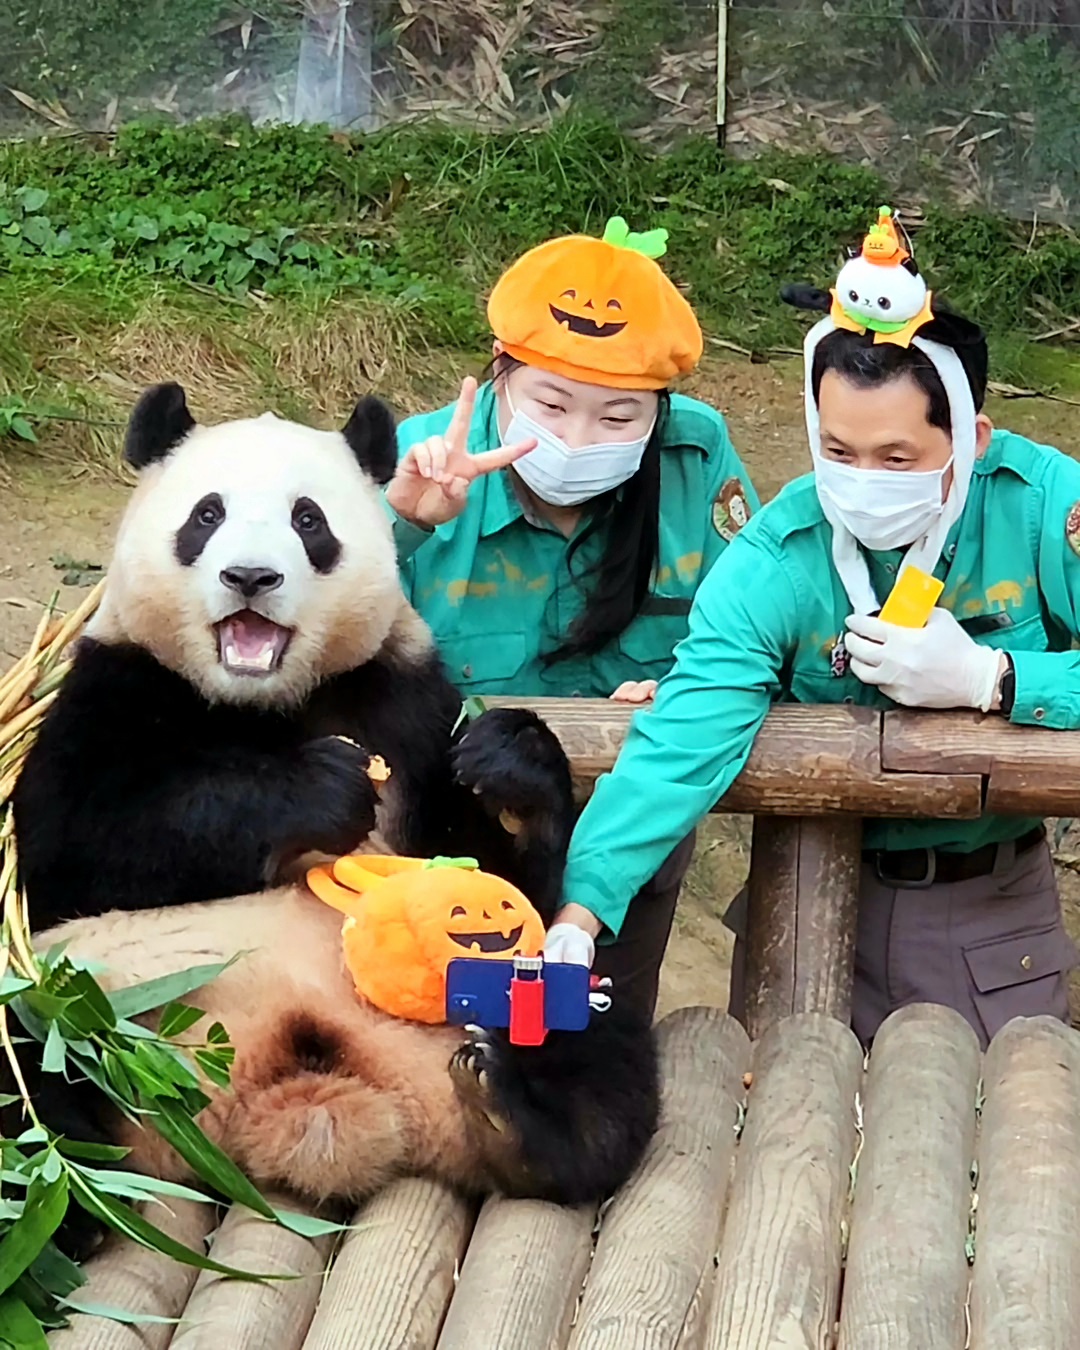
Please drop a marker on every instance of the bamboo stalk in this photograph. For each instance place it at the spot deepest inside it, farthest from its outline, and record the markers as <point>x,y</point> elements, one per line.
<point>26,720</point>
<point>14,691</point>
<point>77,618</point>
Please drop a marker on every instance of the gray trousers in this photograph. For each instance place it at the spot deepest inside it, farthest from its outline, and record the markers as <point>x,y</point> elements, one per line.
<point>993,947</point>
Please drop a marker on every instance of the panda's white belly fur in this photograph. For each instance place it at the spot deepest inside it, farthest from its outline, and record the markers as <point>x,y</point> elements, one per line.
<point>329,1096</point>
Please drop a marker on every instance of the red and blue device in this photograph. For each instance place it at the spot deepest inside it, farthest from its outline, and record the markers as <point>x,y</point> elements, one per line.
<point>525,995</point>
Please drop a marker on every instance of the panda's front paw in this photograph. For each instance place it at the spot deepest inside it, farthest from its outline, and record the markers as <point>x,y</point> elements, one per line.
<point>476,1069</point>
<point>339,798</point>
<point>518,769</point>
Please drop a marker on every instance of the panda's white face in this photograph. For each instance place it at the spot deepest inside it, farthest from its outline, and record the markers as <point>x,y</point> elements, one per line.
<point>885,295</point>
<point>255,559</point>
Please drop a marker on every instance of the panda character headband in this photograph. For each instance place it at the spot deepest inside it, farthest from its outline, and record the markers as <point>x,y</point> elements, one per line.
<point>879,290</point>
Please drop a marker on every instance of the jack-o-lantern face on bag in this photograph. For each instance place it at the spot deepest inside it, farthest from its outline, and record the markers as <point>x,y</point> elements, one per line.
<point>585,319</point>
<point>599,311</point>
<point>493,923</point>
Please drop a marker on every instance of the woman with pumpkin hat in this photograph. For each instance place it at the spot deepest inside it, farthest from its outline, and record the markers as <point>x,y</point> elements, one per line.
<point>553,526</point>
<point>914,496</point>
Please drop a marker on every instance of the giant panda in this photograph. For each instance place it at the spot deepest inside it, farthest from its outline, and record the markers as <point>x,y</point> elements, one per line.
<point>252,615</point>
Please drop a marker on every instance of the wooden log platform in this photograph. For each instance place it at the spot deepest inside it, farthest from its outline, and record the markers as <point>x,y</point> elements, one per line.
<point>794,1198</point>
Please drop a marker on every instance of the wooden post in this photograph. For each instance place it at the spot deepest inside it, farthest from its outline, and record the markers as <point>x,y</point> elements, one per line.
<point>721,73</point>
<point>800,943</point>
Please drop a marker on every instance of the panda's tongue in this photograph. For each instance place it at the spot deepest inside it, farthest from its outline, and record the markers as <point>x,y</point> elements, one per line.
<point>250,643</point>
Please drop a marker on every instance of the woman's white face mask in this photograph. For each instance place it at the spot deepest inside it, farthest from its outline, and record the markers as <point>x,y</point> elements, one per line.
<point>561,476</point>
<point>882,508</point>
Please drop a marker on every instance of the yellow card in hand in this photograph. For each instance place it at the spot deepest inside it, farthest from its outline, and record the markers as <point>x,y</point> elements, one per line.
<point>911,599</point>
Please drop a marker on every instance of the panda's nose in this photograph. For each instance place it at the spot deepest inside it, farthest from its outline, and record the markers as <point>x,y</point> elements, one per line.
<point>251,581</point>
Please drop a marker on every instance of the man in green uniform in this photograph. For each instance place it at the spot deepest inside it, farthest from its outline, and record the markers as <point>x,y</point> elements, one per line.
<point>906,470</point>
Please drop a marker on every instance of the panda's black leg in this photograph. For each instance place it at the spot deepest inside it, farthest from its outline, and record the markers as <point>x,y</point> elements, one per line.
<point>568,1120</point>
<point>518,773</point>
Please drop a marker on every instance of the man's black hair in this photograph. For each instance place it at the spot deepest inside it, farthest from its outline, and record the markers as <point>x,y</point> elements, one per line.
<point>865,363</point>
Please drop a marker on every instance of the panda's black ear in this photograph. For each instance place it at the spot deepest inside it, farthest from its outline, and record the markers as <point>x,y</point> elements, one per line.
<point>372,437</point>
<point>158,424</point>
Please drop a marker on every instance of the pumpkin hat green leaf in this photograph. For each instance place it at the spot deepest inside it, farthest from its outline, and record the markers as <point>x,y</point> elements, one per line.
<point>652,244</point>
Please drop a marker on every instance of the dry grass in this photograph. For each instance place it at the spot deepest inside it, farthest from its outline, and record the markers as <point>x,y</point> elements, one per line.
<point>309,362</point>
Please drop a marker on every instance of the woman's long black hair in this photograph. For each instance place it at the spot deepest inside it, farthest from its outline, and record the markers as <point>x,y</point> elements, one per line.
<point>618,582</point>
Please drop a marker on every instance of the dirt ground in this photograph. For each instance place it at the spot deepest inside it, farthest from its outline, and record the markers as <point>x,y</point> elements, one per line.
<point>52,509</point>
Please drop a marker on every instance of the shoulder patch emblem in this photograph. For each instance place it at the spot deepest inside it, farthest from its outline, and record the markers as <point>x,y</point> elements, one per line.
<point>1072,528</point>
<point>731,509</point>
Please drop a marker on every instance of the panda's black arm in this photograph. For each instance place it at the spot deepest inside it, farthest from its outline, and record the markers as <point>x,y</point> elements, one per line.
<point>513,772</point>
<point>136,795</point>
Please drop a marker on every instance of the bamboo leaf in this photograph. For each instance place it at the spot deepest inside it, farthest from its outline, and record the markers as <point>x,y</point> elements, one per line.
<point>72,1148</point>
<point>26,1239</point>
<point>96,1074</point>
<point>56,1272</point>
<point>52,1167</point>
<point>130,1224</point>
<point>54,1056</point>
<point>10,986</point>
<point>130,1319</point>
<point>216,1064</point>
<point>19,1328</point>
<point>145,1185</point>
<point>208,1161</point>
<point>177,1018</point>
<point>151,994</point>
<point>307,1225</point>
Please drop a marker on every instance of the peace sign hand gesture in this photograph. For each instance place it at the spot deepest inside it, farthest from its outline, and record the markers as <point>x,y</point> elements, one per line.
<point>434,477</point>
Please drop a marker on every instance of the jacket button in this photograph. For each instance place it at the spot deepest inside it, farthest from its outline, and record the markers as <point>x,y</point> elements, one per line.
<point>1025,961</point>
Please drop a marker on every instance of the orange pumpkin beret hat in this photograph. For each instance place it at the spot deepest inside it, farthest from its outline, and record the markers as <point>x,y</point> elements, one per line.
<point>601,311</point>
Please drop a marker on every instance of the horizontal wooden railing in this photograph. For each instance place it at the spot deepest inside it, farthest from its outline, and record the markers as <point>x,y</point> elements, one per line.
<point>844,760</point>
<point>813,776</point>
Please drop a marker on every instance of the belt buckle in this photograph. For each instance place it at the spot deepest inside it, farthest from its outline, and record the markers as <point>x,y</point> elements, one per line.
<point>902,883</point>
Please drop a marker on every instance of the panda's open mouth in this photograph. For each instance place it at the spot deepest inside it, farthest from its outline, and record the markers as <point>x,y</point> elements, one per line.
<point>249,644</point>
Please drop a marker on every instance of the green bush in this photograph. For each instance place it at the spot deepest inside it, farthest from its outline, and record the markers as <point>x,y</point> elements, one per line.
<point>432,215</point>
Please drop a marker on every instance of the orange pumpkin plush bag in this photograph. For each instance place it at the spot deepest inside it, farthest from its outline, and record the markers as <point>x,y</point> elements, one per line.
<point>407,919</point>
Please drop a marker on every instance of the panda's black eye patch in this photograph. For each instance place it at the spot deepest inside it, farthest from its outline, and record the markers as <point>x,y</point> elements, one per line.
<point>321,545</point>
<point>193,536</point>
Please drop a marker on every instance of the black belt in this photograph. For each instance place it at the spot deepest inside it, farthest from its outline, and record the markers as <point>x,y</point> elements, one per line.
<point>919,867</point>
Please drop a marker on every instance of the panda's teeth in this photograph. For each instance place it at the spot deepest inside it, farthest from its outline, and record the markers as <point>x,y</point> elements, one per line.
<point>263,661</point>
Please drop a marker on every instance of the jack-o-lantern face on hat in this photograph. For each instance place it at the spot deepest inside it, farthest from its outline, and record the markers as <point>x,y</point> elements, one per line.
<point>600,311</point>
<point>582,318</point>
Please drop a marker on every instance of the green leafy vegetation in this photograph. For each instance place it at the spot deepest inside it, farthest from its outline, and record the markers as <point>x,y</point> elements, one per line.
<point>89,1034</point>
<point>424,219</point>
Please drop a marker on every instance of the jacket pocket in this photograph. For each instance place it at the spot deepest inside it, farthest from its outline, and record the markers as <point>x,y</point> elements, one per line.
<point>649,643</point>
<point>483,662</point>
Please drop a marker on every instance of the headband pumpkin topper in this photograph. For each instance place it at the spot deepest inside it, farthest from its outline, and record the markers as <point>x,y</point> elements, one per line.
<point>879,290</point>
<point>600,311</point>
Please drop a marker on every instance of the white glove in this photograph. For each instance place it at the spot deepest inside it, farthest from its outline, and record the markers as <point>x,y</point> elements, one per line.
<point>938,666</point>
<point>567,942</point>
